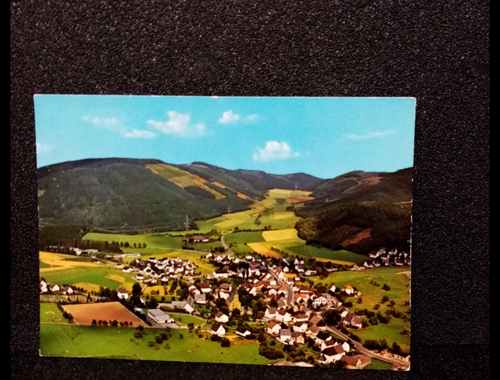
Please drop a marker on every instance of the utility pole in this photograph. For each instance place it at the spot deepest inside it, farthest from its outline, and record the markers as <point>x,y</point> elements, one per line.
<point>295,186</point>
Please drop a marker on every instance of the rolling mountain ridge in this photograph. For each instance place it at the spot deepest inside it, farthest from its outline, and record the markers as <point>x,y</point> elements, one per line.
<point>134,195</point>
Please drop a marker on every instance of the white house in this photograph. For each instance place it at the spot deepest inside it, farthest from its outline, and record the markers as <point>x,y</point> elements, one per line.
<point>320,301</point>
<point>348,289</point>
<point>286,336</point>
<point>270,313</point>
<point>299,317</point>
<point>182,305</point>
<point>54,287</point>
<point>300,327</point>
<point>200,299</point>
<point>283,316</point>
<point>68,290</point>
<point>273,328</point>
<point>242,331</point>
<point>332,354</point>
<point>205,287</point>
<point>220,273</point>
<point>160,316</point>
<point>328,343</point>
<point>218,329</point>
<point>346,347</point>
<point>122,293</point>
<point>221,317</point>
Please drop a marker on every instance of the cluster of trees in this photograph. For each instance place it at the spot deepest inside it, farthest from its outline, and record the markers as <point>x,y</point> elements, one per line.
<point>271,351</point>
<point>112,323</point>
<point>65,314</point>
<point>378,344</point>
<point>224,342</point>
<point>390,225</point>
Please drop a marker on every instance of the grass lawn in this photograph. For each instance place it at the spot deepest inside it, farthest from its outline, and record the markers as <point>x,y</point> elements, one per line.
<point>118,342</point>
<point>244,237</point>
<point>41,264</point>
<point>105,276</point>
<point>153,240</point>
<point>343,255</point>
<point>377,364</point>
<point>186,318</point>
<point>269,219</point>
<point>50,313</point>
<point>391,333</point>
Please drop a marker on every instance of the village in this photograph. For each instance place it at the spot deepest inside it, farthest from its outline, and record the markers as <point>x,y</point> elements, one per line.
<point>275,292</point>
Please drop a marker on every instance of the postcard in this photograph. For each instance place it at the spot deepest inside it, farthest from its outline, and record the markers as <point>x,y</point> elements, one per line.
<point>244,230</point>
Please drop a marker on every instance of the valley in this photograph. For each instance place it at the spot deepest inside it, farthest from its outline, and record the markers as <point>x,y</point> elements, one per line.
<point>237,257</point>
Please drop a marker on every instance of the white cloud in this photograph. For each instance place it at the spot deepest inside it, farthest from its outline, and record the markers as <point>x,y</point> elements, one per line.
<point>178,124</point>
<point>114,125</point>
<point>229,117</point>
<point>140,134</point>
<point>102,121</point>
<point>275,150</point>
<point>252,118</point>
<point>43,148</point>
<point>369,135</point>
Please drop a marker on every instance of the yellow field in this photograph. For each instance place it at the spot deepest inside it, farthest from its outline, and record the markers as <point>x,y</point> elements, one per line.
<point>278,193</point>
<point>182,178</point>
<point>115,277</point>
<point>88,286</point>
<point>294,200</point>
<point>218,184</point>
<point>284,215</point>
<point>259,248</point>
<point>57,262</point>
<point>340,262</point>
<point>285,243</point>
<point>122,280</point>
<point>155,288</point>
<point>280,235</point>
<point>300,193</point>
<point>261,206</point>
<point>233,219</point>
<point>243,196</point>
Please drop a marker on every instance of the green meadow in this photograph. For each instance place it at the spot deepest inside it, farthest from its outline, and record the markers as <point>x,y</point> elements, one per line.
<point>49,313</point>
<point>105,276</point>
<point>378,364</point>
<point>391,333</point>
<point>119,342</point>
<point>325,253</point>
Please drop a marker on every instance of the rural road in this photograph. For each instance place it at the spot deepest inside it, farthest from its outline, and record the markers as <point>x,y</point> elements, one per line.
<point>290,292</point>
<point>226,247</point>
<point>364,351</point>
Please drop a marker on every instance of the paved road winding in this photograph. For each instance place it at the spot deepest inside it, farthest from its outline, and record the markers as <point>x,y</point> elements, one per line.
<point>364,351</point>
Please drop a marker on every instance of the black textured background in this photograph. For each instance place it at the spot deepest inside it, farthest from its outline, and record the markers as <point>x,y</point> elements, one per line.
<point>436,51</point>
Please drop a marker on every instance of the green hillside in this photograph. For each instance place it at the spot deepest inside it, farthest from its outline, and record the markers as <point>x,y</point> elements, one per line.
<point>137,196</point>
<point>123,196</point>
<point>359,212</point>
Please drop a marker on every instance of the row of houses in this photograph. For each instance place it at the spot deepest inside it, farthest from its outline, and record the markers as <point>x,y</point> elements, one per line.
<point>54,288</point>
<point>385,257</point>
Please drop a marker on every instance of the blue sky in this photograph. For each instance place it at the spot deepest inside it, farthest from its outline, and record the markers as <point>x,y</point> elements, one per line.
<point>325,137</point>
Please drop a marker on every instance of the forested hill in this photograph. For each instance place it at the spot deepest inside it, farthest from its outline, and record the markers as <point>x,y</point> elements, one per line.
<point>134,195</point>
<point>359,211</point>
